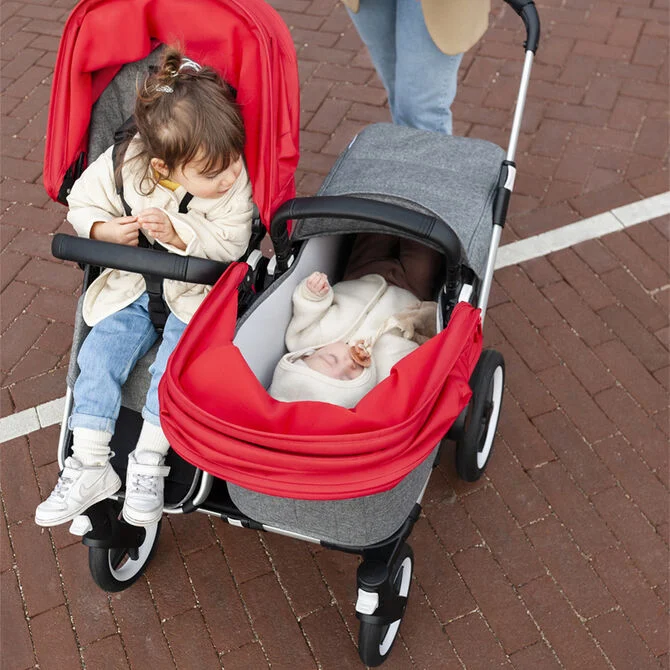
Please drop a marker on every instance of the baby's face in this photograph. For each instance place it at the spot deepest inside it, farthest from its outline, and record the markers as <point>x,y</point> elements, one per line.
<point>334,360</point>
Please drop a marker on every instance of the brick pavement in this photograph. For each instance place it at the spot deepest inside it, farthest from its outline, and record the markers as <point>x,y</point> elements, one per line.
<point>558,557</point>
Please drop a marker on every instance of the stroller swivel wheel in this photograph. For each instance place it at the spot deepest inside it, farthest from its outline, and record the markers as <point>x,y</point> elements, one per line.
<point>116,568</point>
<point>473,447</point>
<point>375,640</point>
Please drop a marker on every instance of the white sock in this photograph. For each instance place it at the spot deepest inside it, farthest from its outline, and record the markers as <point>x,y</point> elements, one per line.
<point>91,447</point>
<point>152,438</point>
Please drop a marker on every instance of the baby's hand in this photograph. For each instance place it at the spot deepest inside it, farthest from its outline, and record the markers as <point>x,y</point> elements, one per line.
<point>317,283</point>
<point>120,230</point>
<point>157,223</point>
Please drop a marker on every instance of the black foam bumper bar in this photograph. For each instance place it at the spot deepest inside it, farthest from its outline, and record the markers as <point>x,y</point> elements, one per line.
<point>136,259</point>
<point>394,218</point>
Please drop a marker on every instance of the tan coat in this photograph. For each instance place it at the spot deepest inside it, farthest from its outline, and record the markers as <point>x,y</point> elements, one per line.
<point>218,229</point>
<point>454,25</point>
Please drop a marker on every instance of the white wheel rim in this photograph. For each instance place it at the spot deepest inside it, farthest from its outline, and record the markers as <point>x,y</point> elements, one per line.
<point>133,565</point>
<point>483,455</point>
<point>405,579</point>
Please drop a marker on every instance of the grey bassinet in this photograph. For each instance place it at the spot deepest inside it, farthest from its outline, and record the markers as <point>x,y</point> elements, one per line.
<point>452,177</point>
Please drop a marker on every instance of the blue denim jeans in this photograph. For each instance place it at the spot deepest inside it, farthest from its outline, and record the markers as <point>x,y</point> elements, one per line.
<point>106,358</point>
<point>419,79</point>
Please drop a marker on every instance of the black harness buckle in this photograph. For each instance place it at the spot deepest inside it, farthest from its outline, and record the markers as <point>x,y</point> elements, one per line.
<point>158,308</point>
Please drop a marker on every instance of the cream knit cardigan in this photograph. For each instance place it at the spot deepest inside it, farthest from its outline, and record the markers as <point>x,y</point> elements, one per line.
<point>218,229</point>
<point>352,310</point>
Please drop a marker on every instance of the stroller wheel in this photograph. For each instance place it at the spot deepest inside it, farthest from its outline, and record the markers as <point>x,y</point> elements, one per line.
<point>473,447</point>
<point>375,640</point>
<point>116,568</point>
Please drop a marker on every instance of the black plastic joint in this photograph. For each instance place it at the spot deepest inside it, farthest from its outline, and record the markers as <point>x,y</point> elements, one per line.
<point>391,609</point>
<point>371,575</point>
<point>73,173</point>
<point>503,193</point>
<point>109,532</point>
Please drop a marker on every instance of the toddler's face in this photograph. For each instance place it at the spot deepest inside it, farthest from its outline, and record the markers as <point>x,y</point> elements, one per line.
<point>334,360</point>
<point>206,184</point>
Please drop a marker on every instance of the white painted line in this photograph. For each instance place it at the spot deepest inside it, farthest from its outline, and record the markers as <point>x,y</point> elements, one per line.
<point>19,424</point>
<point>643,210</point>
<point>581,231</point>
<point>555,240</point>
<point>51,413</point>
<point>30,420</point>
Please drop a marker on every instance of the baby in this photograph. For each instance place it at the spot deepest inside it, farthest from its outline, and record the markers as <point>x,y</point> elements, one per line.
<point>345,339</point>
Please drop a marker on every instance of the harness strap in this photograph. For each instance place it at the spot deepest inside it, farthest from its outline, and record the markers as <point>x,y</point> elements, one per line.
<point>158,308</point>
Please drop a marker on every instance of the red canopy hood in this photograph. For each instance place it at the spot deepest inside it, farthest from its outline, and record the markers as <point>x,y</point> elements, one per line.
<point>218,416</point>
<point>245,40</point>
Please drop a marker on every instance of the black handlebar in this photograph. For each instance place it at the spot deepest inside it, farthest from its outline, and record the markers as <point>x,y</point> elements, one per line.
<point>394,218</point>
<point>136,259</point>
<point>528,12</point>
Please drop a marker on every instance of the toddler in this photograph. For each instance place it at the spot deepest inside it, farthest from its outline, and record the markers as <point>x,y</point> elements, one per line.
<point>186,188</point>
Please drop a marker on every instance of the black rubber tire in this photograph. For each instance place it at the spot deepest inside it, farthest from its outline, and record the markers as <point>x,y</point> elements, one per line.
<point>115,570</point>
<point>375,641</point>
<point>475,445</point>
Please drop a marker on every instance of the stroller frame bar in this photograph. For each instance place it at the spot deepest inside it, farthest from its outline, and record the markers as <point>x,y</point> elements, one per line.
<point>520,104</point>
<point>505,184</point>
<point>528,12</point>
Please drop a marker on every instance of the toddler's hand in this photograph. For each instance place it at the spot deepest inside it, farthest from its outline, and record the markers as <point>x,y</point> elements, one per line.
<point>317,283</point>
<point>157,223</point>
<point>120,230</point>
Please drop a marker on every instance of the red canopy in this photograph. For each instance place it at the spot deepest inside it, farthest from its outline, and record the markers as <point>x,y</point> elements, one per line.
<point>218,416</point>
<point>245,40</point>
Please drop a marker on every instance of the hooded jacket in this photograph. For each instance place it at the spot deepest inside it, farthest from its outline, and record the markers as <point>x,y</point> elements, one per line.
<point>218,229</point>
<point>350,311</point>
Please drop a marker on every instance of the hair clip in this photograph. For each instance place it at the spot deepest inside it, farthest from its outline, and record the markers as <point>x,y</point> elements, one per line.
<point>187,63</point>
<point>163,88</point>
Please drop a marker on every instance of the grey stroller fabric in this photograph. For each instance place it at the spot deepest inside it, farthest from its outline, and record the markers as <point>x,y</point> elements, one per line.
<point>354,522</point>
<point>453,178</point>
<point>116,103</point>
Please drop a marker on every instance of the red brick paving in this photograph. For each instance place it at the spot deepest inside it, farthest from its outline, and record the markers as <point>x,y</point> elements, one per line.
<point>558,557</point>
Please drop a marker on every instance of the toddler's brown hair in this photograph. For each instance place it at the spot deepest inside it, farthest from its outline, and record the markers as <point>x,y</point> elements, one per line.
<point>185,112</point>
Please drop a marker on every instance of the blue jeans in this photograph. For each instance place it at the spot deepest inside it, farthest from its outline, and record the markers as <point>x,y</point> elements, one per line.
<point>419,79</point>
<point>106,358</point>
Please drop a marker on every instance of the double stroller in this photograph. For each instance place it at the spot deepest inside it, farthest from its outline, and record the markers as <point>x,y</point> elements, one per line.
<point>351,480</point>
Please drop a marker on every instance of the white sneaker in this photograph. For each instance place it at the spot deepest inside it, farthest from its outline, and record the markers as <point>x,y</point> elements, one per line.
<point>144,488</point>
<point>78,488</point>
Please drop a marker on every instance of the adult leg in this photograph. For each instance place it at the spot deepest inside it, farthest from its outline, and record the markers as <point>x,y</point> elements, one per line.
<point>375,22</point>
<point>372,253</point>
<point>425,78</point>
<point>146,470</point>
<point>402,262</point>
<point>106,357</point>
<point>421,267</point>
